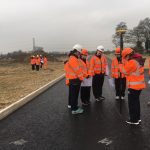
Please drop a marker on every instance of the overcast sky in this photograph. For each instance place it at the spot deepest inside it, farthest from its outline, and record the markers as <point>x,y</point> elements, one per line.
<point>59,24</point>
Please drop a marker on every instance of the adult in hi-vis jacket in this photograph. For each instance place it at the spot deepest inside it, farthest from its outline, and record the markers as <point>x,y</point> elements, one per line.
<point>98,69</point>
<point>134,71</point>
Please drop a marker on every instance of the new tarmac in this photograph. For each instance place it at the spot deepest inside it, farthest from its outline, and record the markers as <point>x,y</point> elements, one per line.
<point>47,124</point>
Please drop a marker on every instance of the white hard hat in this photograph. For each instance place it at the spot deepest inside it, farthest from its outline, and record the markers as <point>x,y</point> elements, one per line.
<point>100,48</point>
<point>78,47</point>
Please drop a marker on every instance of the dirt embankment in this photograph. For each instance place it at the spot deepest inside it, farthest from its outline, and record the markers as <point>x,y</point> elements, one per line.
<point>18,80</point>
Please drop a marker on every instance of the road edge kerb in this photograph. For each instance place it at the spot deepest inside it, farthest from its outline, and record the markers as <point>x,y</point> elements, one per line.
<point>13,107</point>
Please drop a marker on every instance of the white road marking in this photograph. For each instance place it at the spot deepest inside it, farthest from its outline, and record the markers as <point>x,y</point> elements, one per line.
<point>19,142</point>
<point>105,141</point>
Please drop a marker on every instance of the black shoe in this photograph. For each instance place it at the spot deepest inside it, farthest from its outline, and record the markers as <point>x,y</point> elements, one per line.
<point>98,99</point>
<point>84,104</point>
<point>88,102</point>
<point>101,98</point>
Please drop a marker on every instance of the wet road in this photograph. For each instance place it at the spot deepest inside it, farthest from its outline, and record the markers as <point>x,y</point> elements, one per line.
<point>47,124</point>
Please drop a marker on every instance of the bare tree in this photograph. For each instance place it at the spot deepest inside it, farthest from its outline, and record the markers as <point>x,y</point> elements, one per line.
<point>116,40</point>
<point>144,29</point>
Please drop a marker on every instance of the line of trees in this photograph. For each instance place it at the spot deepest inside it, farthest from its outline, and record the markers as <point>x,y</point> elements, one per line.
<point>138,37</point>
<point>24,57</point>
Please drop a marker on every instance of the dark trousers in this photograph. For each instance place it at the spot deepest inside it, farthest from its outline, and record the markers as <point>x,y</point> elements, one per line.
<point>120,86</point>
<point>69,97</point>
<point>74,88</point>
<point>33,66</point>
<point>37,67</point>
<point>85,94</point>
<point>97,84</point>
<point>134,104</point>
<point>41,65</point>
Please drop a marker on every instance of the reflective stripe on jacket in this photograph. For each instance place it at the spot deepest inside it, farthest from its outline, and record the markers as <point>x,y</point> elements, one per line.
<point>45,60</point>
<point>97,65</point>
<point>134,73</point>
<point>115,71</point>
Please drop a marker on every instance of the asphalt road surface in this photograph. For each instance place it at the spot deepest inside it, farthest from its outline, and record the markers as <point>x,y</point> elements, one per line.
<point>47,124</point>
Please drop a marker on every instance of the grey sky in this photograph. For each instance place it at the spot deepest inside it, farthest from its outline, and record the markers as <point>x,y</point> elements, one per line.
<point>59,24</point>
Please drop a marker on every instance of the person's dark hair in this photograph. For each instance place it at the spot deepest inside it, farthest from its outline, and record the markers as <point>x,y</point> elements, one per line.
<point>70,53</point>
<point>131,55</point>
<point>65,61</point>
<point>74,51</point>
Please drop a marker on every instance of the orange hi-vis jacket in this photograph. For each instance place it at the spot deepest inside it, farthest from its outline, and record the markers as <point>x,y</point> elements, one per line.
<point>45,60</point>
<point>85,66</point>
<point>97,65</point>
<point>134,73</point>
<point>115,71</point>
<point>149,66</point>
<point>33,61</point>
<point>38,60</point>
<point>74,70</point>
<point>66,73</point>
